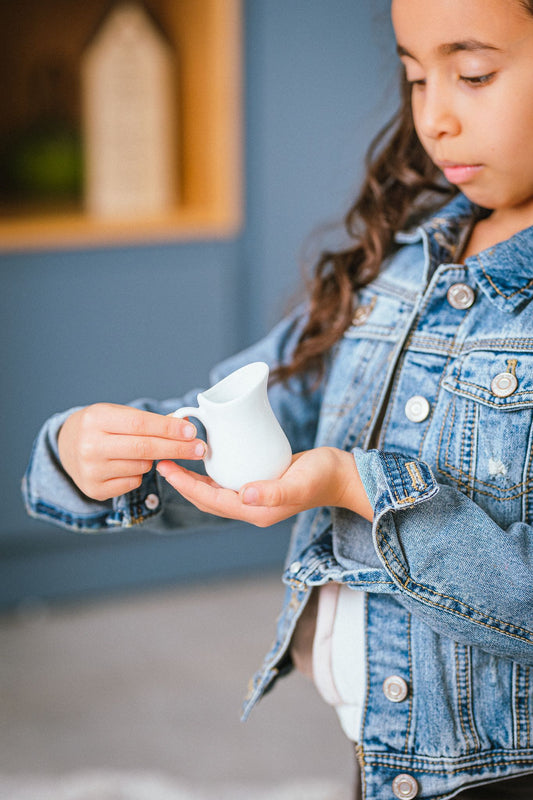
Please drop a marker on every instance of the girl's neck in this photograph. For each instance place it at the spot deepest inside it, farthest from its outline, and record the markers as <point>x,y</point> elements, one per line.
<point>494,229</point>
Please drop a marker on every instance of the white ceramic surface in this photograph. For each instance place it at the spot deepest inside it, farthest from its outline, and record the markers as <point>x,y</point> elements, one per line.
<point>245,442</point>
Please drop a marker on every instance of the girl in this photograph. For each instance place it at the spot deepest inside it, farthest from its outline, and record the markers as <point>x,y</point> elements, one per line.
<point>406,388</point>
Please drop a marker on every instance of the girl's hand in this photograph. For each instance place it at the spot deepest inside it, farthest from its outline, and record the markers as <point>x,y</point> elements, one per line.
<point>324,476</point>
<point>106,449</point>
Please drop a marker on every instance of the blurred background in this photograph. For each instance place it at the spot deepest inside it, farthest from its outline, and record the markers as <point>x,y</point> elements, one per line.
<point>274,105</point>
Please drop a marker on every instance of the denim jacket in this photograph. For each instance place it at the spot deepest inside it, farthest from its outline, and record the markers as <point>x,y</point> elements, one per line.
<point>431,388</point>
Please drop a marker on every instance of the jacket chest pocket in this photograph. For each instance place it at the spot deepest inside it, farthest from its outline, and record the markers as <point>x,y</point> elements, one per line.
<point>485,442</point>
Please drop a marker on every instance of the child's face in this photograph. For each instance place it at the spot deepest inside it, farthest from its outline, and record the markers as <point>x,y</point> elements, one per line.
<point>471,64</point>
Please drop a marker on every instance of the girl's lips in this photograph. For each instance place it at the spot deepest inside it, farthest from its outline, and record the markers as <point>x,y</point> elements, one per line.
<point>460,173</point>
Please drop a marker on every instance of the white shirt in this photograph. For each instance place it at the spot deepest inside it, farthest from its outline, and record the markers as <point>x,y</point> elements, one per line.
<point>329,646</point>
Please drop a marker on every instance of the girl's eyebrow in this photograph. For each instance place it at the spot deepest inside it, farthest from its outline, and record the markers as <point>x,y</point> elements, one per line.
<point>468,45</point>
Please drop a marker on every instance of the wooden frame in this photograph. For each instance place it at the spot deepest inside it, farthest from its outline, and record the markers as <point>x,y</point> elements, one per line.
<point>207,37</point>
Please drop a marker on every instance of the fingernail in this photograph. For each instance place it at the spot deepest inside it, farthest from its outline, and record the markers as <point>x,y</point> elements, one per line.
<point>162,470</point>
<point>250,496</point>
<point>200,449</point>
<point>189,431</point>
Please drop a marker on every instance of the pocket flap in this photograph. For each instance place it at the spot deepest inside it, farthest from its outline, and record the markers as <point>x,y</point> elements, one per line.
<point>501,380</point>
<point>376,316</point>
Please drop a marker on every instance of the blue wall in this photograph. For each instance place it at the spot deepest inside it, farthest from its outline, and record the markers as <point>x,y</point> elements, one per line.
<point>114,324</point>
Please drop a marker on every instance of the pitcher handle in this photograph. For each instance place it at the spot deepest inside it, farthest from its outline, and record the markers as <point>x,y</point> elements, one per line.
<point>188,411</point>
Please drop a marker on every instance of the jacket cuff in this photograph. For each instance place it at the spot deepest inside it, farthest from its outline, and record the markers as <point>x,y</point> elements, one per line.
<point>393,481</point>
<point>50,495</point>
<point>141,504</point>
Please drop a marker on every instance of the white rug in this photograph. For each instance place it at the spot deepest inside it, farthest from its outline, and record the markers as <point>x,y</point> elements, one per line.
<point>99,785</point>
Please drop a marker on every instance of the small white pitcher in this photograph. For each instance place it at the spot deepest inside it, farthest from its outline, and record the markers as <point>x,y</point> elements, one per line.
<point>245,441</point>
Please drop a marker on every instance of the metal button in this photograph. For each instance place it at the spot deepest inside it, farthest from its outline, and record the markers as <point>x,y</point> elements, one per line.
<point>295,567</point>
<point>461,296</point>
<point>416,408</point>
<point>361,315</point>
<point>395,688</point>
<point>405,787</point>
<point>504,384</point>
<point>151,502</point>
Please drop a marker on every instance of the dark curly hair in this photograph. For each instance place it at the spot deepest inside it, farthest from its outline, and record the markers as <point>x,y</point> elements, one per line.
<point>401,186</point>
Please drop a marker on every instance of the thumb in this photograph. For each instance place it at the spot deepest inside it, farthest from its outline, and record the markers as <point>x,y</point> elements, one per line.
<point>262,493</point>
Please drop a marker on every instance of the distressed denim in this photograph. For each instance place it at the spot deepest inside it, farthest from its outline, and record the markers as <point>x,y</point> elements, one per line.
<point>446,565</point>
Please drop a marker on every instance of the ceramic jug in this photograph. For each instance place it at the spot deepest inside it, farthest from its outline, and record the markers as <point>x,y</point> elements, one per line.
<point>245,441</point>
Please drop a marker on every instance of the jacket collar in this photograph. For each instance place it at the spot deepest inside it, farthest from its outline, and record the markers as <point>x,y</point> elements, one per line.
<point>504,273</point>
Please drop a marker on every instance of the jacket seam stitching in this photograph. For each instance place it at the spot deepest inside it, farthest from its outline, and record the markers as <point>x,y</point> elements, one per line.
<point>505,296</point>
<point>416,763</point>
<point>451,468</point>
<point>526,703</point>
<point>469,697</point>
<point>460,701</point>
<point>410,668</point>
<point>408,580</point>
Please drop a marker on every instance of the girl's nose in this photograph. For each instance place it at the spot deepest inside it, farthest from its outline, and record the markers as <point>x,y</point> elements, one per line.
<point>436,115</point>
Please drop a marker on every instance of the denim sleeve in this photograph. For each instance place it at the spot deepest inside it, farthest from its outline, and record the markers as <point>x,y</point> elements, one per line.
<point>451,564</point>
<point>50,494</point>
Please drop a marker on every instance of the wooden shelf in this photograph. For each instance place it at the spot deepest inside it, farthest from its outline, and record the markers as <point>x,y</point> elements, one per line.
<point>207,38</point>
<point>72,230</point>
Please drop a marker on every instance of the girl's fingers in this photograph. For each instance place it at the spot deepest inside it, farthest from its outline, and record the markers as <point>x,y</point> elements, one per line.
<point>114,487</point>
<point>208,496</point>
<point>127,468</point>
<point>118,446</point>
<point>200,489</point>
<point>130,421</point>
<point>289,491</point>
<point>264,493</point>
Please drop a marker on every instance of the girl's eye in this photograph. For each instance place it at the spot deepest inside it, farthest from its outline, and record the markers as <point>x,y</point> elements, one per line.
<point>477,80</point>
<point>470,80</point>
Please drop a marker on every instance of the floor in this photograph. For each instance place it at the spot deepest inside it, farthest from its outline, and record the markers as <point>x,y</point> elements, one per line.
<point>154,682</point>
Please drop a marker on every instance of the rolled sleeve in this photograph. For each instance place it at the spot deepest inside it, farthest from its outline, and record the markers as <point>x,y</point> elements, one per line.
<point>392,481</point>
<point>49,494</point>
<point>452,565</point>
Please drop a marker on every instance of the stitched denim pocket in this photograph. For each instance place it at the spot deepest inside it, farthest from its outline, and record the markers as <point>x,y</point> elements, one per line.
<point>377,315</point>
<point>485,441</point>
